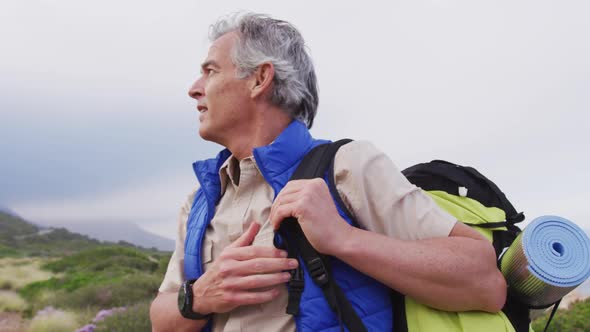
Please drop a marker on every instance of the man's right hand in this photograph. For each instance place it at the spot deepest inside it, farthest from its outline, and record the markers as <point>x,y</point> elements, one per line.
<point>242,275</point>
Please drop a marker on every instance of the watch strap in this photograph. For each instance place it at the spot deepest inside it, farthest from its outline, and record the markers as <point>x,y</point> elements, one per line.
<point>186,310</point>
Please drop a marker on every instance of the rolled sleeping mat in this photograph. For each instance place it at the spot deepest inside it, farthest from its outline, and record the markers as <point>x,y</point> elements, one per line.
<point>547,260</point>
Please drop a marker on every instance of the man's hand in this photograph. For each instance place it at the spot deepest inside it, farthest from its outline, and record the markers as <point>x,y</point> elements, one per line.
<point>310,202</point>
<point>242,275</point>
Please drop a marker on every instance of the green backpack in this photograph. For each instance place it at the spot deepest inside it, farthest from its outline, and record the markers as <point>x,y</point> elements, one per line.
<point>464,193</point>
<point>478,202</point>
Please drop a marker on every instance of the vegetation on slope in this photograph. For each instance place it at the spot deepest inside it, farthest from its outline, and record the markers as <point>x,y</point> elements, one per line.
<point>48,273</point>
<point>574,319</point>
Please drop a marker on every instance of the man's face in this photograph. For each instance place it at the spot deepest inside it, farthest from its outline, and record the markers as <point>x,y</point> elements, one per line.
<point>223,100</point>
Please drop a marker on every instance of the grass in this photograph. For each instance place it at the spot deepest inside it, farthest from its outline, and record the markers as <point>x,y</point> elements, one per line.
<point>18,272</point>
<point>11,302</point>
<point>54,321</point>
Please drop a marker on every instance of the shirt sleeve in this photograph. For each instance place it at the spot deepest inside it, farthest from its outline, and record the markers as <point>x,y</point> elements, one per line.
<point>175,272</point>
<point>381,198</point>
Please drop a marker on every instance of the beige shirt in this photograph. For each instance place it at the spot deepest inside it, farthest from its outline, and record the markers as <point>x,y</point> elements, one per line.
<point>372,188</point>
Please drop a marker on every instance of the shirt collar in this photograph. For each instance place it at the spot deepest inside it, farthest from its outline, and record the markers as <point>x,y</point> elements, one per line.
<point>230,166</point>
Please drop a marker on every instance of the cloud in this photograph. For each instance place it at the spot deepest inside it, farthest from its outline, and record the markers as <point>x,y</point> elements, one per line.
<point>95,112</point>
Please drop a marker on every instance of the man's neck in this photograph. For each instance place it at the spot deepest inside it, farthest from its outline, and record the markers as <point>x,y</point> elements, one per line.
<point>263,133</point>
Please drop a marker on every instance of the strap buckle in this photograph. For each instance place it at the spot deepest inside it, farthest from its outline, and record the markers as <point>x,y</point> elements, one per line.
<point>318,271</point>
<point>515,218</point>
<point>296,283</point>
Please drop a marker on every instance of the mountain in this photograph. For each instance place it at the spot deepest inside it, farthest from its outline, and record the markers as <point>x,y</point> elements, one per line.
<point>19,237</point>
<point>120,231</point>
<point>12,226</point>
<point>7,211</point>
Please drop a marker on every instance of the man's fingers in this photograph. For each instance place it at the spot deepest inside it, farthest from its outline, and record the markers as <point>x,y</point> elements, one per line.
<point>250,252</point>
<point>248,236</point>
<point>293,186</point>
<point>276,206</point>
<point>252,297</point>
<point>257,281</point>
<point>282,211</point>
<point>263,265</point>
<point>284,198</point>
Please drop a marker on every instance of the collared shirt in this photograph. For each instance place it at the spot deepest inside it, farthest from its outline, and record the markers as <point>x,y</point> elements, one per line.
<point>372,188</point>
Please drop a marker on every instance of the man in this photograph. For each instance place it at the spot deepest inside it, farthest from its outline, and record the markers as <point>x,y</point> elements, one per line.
<point>257,96</point>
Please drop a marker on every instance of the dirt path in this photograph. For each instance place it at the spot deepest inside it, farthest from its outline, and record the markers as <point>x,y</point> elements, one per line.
<point>11,322</point>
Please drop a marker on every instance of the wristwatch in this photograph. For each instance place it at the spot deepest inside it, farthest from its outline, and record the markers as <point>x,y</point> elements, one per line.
<point>185,301</point>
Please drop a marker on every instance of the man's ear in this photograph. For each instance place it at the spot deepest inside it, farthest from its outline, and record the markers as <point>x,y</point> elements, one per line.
<point>262,79</point>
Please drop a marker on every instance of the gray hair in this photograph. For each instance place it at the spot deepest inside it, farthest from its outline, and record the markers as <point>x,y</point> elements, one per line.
<point>264,39</point>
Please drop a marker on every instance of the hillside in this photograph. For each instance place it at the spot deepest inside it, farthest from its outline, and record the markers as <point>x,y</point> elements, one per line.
<point>21,238</point>
<point>12,226</point>
<point>52,276</point>
<point>26,238</point>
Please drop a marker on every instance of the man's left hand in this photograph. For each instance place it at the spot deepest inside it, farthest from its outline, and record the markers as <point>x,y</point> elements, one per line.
<point>310,202</point>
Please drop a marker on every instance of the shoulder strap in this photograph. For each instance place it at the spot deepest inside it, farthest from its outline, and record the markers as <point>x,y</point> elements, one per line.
<point>334,190</point>
<point>314,165</point>
<point>316,162</point>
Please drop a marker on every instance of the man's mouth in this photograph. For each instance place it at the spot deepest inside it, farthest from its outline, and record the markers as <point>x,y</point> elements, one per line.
<point>202,109</point>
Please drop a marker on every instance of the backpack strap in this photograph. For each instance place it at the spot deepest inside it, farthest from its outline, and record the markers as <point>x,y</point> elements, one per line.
<point>314,165</point>
<point>555,306</point>
<point>334,190</point>
<point>488,225</point>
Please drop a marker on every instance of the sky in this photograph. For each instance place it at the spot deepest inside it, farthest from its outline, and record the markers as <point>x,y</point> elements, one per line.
<point>96,123</point>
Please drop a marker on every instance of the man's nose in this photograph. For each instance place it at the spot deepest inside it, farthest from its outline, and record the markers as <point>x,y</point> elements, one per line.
<point>196,91</point>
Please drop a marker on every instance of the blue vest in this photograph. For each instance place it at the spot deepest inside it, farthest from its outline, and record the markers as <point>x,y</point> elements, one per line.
<point>277,161</point>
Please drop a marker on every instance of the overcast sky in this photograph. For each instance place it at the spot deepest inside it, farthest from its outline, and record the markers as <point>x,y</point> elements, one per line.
<point>96,123</point>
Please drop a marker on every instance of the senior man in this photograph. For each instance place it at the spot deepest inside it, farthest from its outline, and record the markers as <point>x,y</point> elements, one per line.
<point>257,96</point>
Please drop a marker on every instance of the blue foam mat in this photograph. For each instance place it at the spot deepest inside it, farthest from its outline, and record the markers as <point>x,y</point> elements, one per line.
<point>557,250</point>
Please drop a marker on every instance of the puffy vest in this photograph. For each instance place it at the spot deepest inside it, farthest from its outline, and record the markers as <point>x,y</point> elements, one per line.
<point>277,161</point>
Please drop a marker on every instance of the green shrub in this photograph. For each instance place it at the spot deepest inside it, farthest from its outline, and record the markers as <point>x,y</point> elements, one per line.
<point>103,277</point>
<point>7,251</point>
<point>105,258</point>
<point>112,293</point>
<point>68,283</point>
<point>574,319</point>
<point>134,319</point>
<point>163,260</point>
